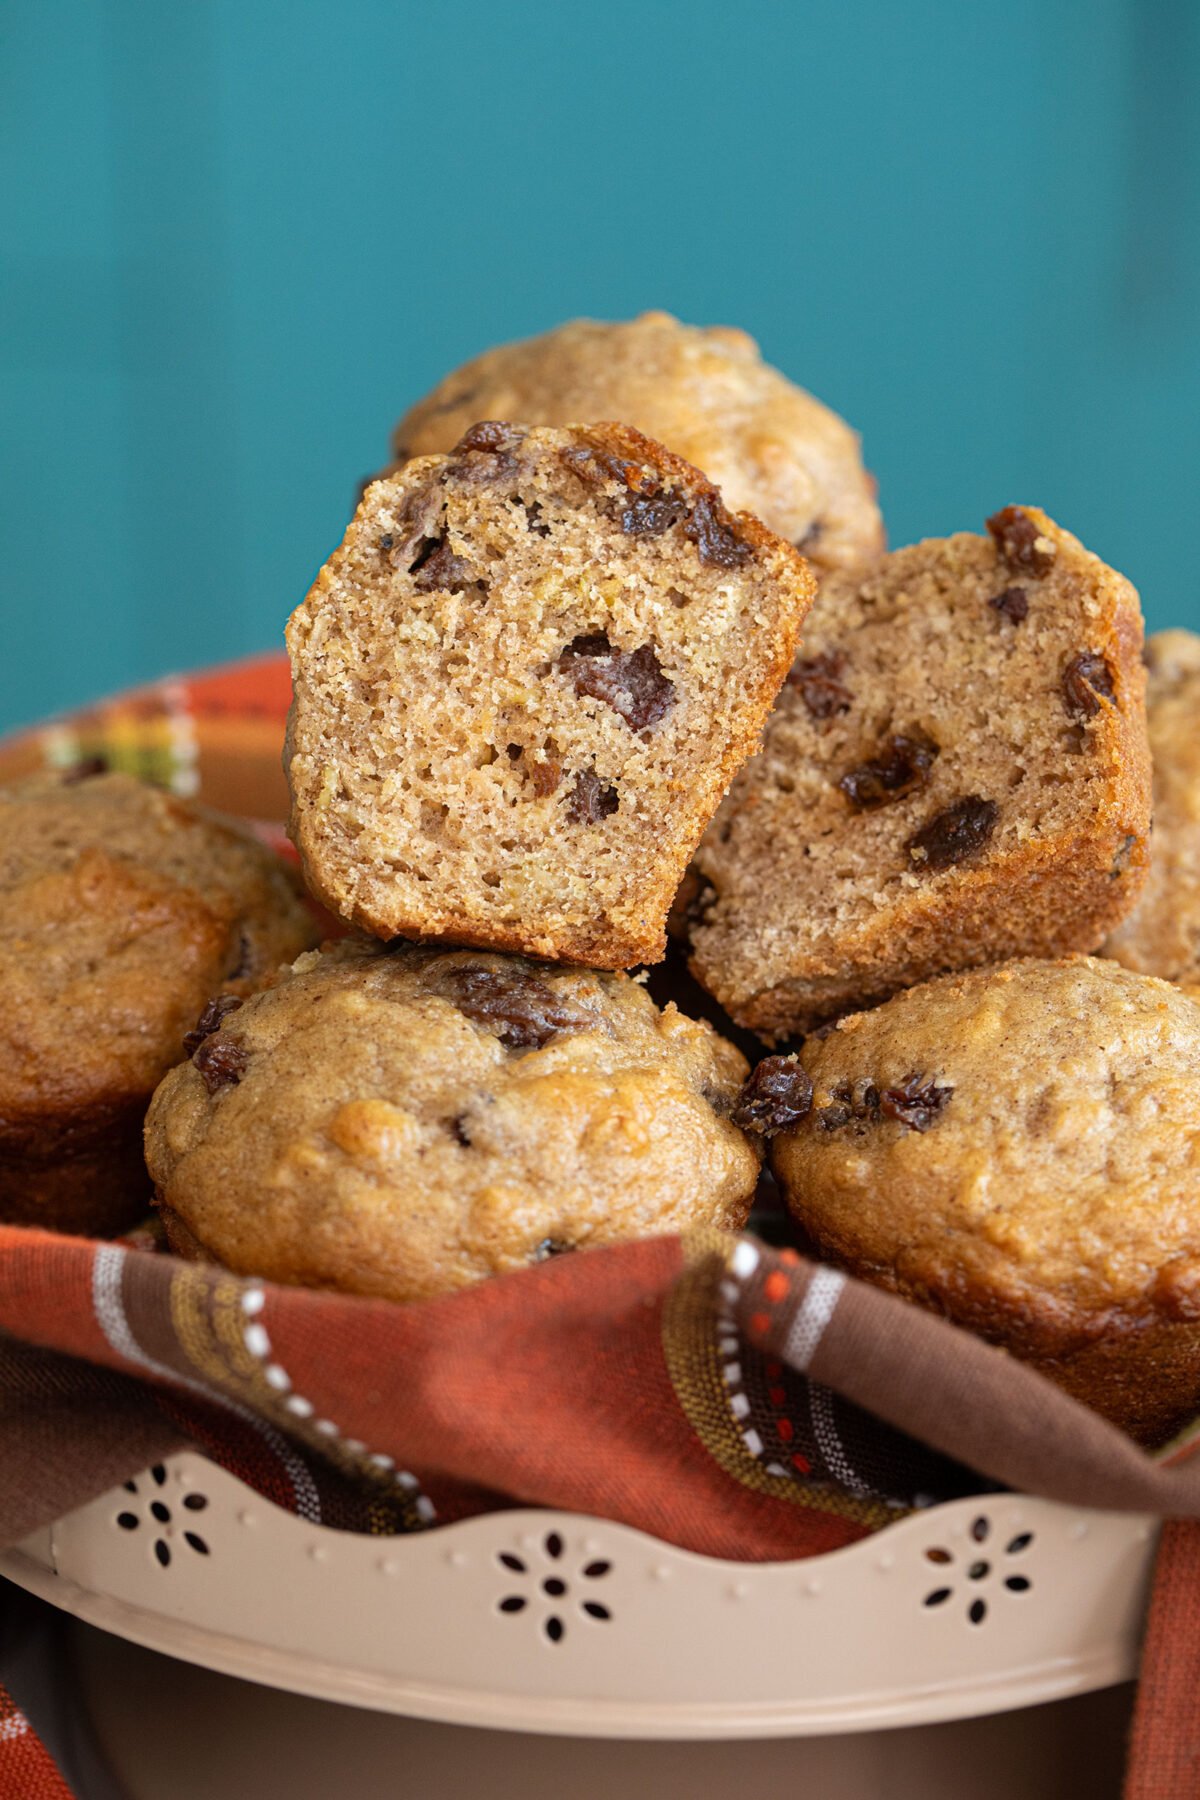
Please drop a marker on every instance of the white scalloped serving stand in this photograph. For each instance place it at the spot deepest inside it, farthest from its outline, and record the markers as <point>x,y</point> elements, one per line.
<point>551,1622</point>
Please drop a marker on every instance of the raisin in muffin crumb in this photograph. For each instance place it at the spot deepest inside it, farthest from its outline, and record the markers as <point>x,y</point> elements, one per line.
<point>950,777</point>
<point>513,737</point>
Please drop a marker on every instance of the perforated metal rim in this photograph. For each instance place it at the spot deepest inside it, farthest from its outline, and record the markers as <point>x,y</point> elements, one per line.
<point>1036,1602</point>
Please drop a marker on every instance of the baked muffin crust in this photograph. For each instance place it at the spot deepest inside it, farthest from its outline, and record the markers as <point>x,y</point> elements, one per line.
<point>404,1122</point>
<point>1019,1148</point>
<point>122,909</point>
<point>1162,934</point>
<point>705,393</point>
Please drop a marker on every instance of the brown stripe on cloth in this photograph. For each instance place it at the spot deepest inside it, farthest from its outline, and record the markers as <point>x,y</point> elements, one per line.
<point>68,1432</point>
<point>189,1322</point>
<point>760,1416</point>
<point>167,1312</point>
<point>951,1391</point>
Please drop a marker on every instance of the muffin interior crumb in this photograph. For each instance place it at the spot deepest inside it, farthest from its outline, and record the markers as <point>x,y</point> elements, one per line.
<point>522,685</point>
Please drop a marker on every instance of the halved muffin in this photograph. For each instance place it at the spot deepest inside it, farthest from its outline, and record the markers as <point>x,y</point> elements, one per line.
<point>523,684</point>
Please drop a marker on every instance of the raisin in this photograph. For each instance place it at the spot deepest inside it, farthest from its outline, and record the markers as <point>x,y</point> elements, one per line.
<point>550,1247</point>
<point>819,1033</point>
<point>650,508</point>
<point>777,1096</point>
<point>419,529</point>
<point>546,777</point>
<point>915,1103</point>
<point>1020,542</point>
<point>597,467</point>
<point>952,835</point>
<point>491,437</point>
<point>859,1102</point>
<point>1085,679</point>
<point>487,453</point>
<point>591,800</point>
<point>630,681</point>
<point>903,764</point>
<point>221,1062</point>
<point>514,1006</point>
<point>84,770</point>
<point>645,515</point>
<point>1013,604</point>
<point>655,508</point>
<point>436,566</point>
<point>209,1021</point>
<point>712,530</point>
<point>818,681</point>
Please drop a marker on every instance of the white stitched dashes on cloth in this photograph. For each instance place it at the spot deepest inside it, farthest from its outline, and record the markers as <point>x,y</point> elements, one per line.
<point>820,1406</point>
<point>110,1311</point>
<point>816,1310</point>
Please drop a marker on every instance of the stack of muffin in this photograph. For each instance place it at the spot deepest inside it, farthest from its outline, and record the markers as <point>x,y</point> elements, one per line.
<point>549,691</point>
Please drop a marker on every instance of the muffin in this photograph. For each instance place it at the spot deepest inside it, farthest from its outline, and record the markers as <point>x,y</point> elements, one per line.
<point>703,392</point>
<point>402,1122</point>
<point>1162,935</point>
<point>122,910</point>
<point>957,772</point>
<point>523,684</point>
<point>1019,1149</point>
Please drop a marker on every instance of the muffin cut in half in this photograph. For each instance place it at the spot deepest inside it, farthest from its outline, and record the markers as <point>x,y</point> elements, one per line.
<point>1019,1149</point>
<point>522,685</point>
<point>1162,934</point>
<point>704,392</point>
<point>957,772</point>
<point>402,1122</point>
<point>122,911</point>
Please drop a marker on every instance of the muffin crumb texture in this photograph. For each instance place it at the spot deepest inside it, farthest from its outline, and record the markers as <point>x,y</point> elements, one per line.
<point>956,772</point>
<point>523,684</point>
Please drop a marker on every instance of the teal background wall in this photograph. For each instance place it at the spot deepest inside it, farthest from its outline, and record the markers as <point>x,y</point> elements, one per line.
<point>239,236</point>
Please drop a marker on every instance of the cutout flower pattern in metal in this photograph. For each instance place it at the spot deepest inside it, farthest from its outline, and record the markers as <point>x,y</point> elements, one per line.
<point>553,1582</point>
<point>167,1531</point>
<point>979,1569</point>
